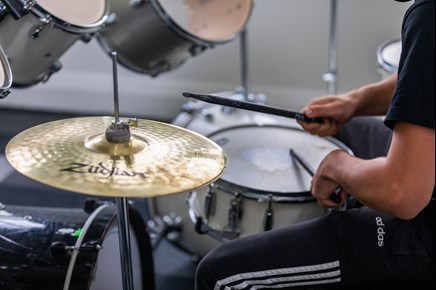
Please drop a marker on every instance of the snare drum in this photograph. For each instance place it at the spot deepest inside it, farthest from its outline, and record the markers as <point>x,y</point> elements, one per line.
<point>5,74</point>
<point>157,36</point>
<point>39,249</point>
<point>388,56</point>
<point>262,188</point>
<point>35,42</point>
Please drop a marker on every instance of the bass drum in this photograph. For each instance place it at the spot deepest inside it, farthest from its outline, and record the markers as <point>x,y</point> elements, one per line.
<point>191,225</point>
<point>35,42</point>
<point>156,36</point>
<point>5,74</point>
<point>58,248</point>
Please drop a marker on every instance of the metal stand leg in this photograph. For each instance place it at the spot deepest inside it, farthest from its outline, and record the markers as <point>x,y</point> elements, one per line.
<point>124,239</point>
<point>244,64</point>
<point>331,77</point>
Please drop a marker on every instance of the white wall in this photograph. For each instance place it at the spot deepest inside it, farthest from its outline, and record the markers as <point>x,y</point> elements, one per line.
<point>288,50</point>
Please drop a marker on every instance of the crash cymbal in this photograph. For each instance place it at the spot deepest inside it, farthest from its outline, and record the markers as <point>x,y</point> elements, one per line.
<point>74,155</point>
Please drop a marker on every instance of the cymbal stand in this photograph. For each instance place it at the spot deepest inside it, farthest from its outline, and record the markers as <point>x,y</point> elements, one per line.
<point>244,64</point>
<point>119,132</point>
<point>331,77</point>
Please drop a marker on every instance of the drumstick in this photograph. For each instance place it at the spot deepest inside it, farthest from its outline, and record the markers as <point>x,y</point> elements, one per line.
<point>252,107</point>
<point>335,195</point>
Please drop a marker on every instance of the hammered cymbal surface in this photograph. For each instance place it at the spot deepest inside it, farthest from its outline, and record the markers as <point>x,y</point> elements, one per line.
<point>74,155</point>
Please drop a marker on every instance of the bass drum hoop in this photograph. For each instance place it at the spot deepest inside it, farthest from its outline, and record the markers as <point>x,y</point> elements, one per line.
<point>47,17</point>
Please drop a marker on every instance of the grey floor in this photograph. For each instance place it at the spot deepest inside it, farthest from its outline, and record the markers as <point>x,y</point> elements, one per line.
<point>173,268</point>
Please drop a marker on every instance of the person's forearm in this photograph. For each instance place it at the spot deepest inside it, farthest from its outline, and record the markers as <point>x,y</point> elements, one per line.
<point>365,180</point>
<point>374,99</point>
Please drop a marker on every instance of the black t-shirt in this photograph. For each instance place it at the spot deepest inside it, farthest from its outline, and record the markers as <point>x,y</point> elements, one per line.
<point>414,97</point>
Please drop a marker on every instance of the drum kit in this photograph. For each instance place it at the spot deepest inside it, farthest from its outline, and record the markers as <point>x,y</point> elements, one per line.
<point>215,174</point>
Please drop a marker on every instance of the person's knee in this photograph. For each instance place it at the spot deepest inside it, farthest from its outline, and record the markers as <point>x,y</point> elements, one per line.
<point>205,275</point>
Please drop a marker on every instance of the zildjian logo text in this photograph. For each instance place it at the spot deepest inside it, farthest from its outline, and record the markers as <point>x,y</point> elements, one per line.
<point>102,170</point>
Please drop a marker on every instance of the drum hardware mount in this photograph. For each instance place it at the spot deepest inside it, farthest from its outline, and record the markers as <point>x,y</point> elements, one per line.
<point>232,229</point>
<point>210,202</point>
<point>4,94</point>
<point>61,250</point>
<point>136,3</point>
<point>18,8</point>
<point>168,226</point>
<point>269,215</point>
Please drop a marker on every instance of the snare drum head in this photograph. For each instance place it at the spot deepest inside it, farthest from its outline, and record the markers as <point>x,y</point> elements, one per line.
<point>213,21</point>
<point>5,71</point>
<point>83,13</point>
<point>259,156</point>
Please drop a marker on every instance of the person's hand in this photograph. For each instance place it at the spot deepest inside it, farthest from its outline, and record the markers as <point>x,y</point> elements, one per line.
<point>322,185</point>
<point>334,110</point>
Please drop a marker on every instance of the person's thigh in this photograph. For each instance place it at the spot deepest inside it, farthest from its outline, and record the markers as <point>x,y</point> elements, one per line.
<point>367,137</point>
<point>354,247</point>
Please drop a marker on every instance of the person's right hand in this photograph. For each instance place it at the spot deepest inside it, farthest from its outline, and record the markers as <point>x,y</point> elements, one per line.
<point>334,110</point>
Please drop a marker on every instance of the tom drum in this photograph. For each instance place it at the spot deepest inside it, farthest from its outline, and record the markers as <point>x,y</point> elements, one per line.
<point>157,36</point>
<point>35,41</point>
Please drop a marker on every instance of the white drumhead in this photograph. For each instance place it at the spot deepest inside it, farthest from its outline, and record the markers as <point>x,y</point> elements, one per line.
<point>210,20</point>
<point>259,156</point>
<point>5,71</point>
<point>76,12</point>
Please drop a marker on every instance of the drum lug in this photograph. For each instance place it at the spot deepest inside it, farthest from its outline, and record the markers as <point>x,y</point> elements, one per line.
<point>36,31</point>
<point>197,49</point>
<point>111,19</point>
<point>4,93</point>
<point>232,230</point>
<point>208,115</point>
<point>136,3</point>
<point>210,201</point>
<point>269,215</point>
<point>61,250</point>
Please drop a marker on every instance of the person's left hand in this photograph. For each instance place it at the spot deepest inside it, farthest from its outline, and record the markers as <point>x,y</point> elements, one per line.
<point>323,185</point>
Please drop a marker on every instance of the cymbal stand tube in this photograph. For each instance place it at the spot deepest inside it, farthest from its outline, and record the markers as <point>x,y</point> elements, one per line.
<point>244,64</point>
<point>115,81</point>
<point>122,205</point>
<point>331,78</point>
<point>124,240</point>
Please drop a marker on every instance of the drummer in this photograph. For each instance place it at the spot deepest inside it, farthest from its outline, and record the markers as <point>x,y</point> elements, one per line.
<point>389,238</point>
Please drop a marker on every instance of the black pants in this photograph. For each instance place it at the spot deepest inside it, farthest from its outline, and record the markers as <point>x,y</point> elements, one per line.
<point>344,249</point>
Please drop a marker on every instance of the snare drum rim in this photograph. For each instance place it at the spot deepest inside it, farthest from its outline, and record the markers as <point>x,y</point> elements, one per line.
<point>6,69</point>
<point>171,24</point>
<point>48,18</point>
<point>263,195</point>
<point>390,68</point>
